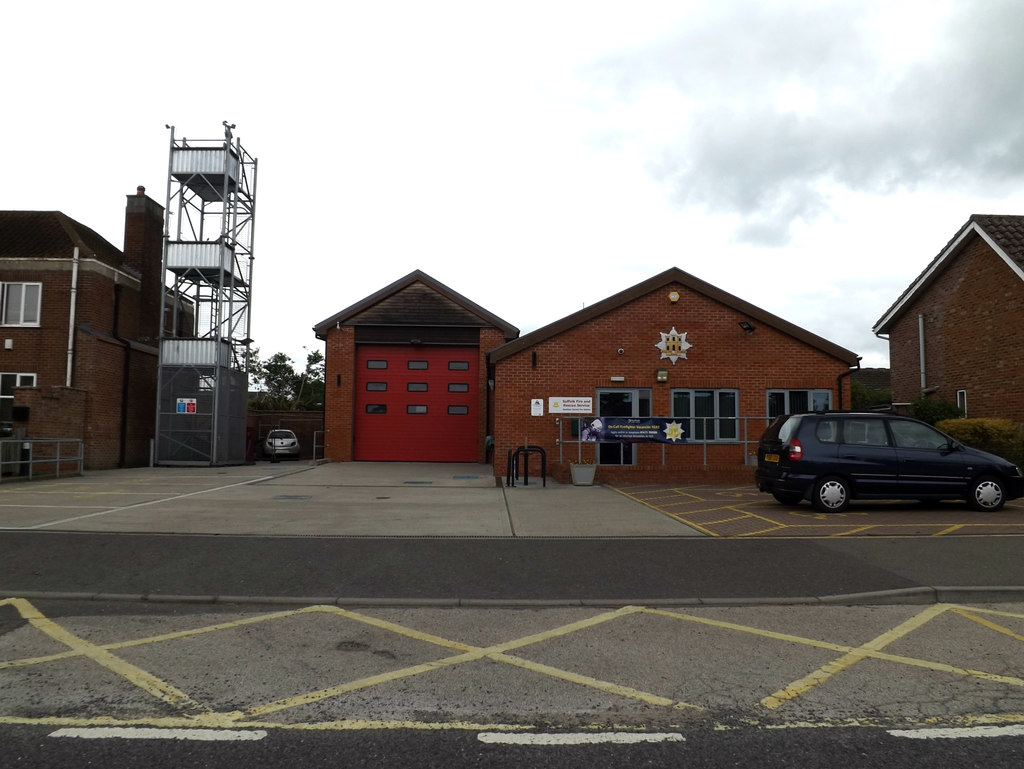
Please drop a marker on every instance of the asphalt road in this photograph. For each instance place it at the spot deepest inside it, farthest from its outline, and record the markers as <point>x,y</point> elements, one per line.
<point>451,570</point>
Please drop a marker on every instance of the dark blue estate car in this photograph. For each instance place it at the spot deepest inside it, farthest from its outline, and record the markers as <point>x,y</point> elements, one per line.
<point>830,458</point>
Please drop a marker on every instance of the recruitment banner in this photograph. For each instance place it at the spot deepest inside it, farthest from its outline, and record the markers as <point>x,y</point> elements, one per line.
<point>633,430</point>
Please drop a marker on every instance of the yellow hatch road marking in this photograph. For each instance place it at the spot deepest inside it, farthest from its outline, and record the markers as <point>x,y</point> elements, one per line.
<point>988,624</point>
<point>193,714</point>
<point>824,673</point>
<point>145,681</point>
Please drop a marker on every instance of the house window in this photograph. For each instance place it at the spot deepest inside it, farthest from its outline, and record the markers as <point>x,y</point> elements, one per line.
<point>458,365</point>
<point>417,409</point>
<point>711,415</point>
<point>377,387</point>
<point>376,408</point>
<point>7,384</point>
<point>20,303</point>
<point>418,365</point>
<point>961,402</point>
<point>458,387</point>
<point>376,364</point>
<point>416,387</point>
<point>797,401</point>
<point>458,409</point>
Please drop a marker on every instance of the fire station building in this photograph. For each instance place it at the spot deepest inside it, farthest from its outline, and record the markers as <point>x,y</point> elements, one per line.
<point>680,376</point>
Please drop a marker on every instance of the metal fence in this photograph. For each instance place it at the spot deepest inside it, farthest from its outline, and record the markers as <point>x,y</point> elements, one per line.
<point>741,432</point>
<point>26,458</point>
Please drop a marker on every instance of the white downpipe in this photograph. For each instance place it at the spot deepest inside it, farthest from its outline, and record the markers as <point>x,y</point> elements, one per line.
<point>920,342</point>
<point>71,320</point>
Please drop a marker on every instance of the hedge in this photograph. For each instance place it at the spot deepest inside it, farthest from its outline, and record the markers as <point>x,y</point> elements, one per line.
<point>996,436</point>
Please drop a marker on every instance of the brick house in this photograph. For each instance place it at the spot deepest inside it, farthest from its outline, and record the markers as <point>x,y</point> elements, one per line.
<point>952,333</point>
<point>418,373</point>
<point>80,322</point>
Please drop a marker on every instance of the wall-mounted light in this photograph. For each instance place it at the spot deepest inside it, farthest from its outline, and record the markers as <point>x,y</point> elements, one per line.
<point>617,379</point>
<point>661,375</point>
<point>747,326</point>
<point>673,296</point>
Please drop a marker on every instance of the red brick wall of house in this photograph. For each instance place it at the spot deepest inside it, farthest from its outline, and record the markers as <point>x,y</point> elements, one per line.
<point>582,359</point>
<point>971,341</point>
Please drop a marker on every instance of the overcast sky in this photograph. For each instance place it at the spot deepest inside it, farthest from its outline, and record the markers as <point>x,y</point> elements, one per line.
<point>537,157</point>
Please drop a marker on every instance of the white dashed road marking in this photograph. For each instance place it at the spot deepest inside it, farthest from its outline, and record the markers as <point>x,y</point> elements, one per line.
<point>577,738</point>
<point>1016,730</point>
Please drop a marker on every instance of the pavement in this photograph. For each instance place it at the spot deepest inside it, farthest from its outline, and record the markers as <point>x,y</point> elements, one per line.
<point>446,534</point>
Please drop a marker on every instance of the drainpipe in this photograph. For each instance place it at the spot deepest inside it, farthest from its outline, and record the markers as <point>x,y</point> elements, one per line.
<point>920,343</point>
<point>839,381</point>
<point>71,319</point>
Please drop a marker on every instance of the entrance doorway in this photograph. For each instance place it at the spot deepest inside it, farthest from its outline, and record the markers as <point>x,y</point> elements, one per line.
<point>621,403</point>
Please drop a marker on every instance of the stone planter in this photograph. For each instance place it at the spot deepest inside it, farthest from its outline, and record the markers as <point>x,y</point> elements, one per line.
<point>582,475</point>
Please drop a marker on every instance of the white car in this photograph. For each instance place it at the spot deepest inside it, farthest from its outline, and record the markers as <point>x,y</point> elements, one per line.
<point>281,443</point>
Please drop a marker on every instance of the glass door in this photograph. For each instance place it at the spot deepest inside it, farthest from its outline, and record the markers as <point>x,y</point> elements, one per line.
<point>621,403</point>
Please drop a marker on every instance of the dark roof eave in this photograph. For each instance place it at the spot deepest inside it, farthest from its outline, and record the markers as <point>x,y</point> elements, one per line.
<point>341,318</point>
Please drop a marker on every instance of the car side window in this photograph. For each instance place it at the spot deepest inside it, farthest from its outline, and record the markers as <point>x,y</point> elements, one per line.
<point>865,432</point>
<point>827,431</point>
<point>911,435</point>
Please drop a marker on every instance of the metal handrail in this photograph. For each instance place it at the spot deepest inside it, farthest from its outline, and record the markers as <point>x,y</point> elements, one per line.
<point>33,457</point>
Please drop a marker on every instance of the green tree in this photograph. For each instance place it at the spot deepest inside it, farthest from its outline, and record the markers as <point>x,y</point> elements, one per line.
<point>310,395</point>
<point>279,387</point>
<point>865,398</point>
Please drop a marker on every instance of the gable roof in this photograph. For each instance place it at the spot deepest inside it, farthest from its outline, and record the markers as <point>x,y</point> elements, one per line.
<point>673,276</point>
<point>416,298</point>
<point>39,234</point>
<point>1005,236</point>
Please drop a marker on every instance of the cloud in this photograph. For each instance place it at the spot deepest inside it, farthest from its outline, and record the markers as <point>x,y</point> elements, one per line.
<point>762,112</point>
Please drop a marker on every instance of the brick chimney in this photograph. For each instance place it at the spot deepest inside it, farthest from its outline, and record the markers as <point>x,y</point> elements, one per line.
<point>143,252</point>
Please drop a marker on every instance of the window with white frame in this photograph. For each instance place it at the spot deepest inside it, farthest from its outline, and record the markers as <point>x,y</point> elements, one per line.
<point>711,415</point>
<point>961,402</point>
<point>797,401</point>
<point>7,384</point>
<point>19,304</point>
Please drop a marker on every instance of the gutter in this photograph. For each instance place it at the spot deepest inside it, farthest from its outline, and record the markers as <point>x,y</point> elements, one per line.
<point>71,318</point>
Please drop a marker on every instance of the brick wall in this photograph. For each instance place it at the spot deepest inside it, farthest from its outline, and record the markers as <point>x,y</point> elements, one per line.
<point>970,316</point>
<point>339,393</point>
<point>582,359</point>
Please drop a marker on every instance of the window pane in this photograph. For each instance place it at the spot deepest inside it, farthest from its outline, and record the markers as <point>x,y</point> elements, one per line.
<point>727,424</point>
<point>644,405</point>
<point>458,409</point>
<point>31,314</point>
<point>458,365</point>
<point>415,409</point>
<point>681,403</point>
<point>7,384</point>
<point>376,408</point>
<point>12,303</point>
<point>776,403</point>
<point>376,364</point>
<point>417,365</point>
<point>458,387</point>
<point>377,386</point>
<point>798,401</point>
<point>416,387</point>
<point>822,400</point>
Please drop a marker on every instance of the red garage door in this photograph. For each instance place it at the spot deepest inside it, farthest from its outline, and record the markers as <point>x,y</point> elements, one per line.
<point>416,404</point>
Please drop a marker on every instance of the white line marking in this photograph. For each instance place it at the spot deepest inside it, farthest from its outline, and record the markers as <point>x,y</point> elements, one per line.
<point>954,734</point>
<point>127,733</point>
<point>144,504</point>
<point>578,738</point>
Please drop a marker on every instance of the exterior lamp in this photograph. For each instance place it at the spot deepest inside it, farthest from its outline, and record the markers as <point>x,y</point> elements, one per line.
<point>661,375</point>
<point>747,326</point>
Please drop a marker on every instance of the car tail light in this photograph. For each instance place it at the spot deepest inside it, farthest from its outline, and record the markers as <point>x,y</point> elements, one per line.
<point>796,450</point>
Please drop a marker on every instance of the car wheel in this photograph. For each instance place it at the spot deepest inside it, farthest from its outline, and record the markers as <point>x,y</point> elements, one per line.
<point>831,495</point>
<point>987,494</point>
<point>787,497</point>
